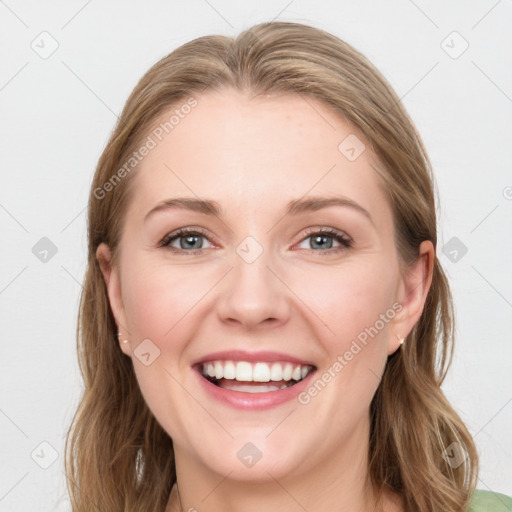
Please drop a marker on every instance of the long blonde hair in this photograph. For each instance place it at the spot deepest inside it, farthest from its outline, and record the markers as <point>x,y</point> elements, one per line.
<point>118,458</point>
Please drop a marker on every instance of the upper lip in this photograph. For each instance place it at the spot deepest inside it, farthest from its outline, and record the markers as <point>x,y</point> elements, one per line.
<point>251,357</point>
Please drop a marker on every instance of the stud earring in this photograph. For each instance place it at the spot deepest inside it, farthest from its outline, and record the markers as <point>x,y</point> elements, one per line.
<point>400,339</point>
<point>119,334</point>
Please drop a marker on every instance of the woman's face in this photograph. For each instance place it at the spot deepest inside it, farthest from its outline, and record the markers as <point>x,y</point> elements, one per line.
<point>256,294</point>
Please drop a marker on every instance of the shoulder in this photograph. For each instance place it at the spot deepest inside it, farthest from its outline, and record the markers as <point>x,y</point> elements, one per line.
<point>488,501</point>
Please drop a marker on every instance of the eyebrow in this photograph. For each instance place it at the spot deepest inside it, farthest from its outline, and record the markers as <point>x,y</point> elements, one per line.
<point>295,207</point>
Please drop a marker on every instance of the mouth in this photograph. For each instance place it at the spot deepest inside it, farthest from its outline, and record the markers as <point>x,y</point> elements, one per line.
<point>253,381</point>
<point>254,377</point>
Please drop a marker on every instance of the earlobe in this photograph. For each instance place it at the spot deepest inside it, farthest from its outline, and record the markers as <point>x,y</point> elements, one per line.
<point>413,292</point>
<point>113,285</point>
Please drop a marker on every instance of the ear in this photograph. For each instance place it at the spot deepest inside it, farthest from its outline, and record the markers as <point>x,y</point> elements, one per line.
<point>412,294</point>
<point>113,284</point>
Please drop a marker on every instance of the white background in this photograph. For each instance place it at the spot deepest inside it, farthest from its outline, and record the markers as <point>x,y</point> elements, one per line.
<point>57,113</point>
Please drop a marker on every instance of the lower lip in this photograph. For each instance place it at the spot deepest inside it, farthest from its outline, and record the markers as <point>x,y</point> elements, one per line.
<point>254,401</point>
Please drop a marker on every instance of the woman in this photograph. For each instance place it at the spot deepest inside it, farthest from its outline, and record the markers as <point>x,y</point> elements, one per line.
<point>264,322</point>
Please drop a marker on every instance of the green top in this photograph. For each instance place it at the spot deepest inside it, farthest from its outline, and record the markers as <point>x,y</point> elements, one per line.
<point>488,501</point>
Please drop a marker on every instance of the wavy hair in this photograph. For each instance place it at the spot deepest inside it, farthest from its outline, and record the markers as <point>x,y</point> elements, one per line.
<point>118,458</point>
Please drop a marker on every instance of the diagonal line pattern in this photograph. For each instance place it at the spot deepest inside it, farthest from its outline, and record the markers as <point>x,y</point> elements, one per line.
<point>73,219</point>
<point>424,14</point>
<point>492,81</point>
<point>501,409</point>
<point>13,13</point>
<point>14,218</point>
<point>14,486</point>
<point>213,8</point>
<point>199,403</point>
<point>217,486</point>
<point>307,192</point>
<point>199,300</point>
<point>492,286</point>
<point>496,496</point>
<point>14,76</point>
<point>485,218</point>
<point>13,279</point>
<point>165,165</point>
<point>72,276</point>
<point>322,322</point>
<point>282,10</point>
<point>319,114</point>
<point>286,491</point>
<point>14,424</point>
<point>89,88</point>
<point>271,228</point>
<point>485,15</point>
<point>415,85</point>
<point>282,421</point>
<point>76,14</point>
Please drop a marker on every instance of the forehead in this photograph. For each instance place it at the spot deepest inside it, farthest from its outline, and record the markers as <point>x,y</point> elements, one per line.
<point>257,152</point>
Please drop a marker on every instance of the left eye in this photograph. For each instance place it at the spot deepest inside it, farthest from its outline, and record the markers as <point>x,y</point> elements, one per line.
<point>323,240</point>
<point>190,241</point>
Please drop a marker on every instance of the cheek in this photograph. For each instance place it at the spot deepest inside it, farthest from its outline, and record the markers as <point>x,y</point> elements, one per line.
<point>349,298</point>
<point>158,298</point>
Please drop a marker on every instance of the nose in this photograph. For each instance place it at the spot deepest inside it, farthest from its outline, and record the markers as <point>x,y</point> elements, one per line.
<point>254,293</point>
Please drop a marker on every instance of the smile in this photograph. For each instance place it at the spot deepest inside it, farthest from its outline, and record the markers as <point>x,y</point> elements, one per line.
<point>253,380</point>
<point>259,377</point>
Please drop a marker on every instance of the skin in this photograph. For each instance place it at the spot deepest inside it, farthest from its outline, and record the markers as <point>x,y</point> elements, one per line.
<point>253,156</point>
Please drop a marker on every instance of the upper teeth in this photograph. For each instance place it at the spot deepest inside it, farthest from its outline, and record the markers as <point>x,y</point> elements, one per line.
<point>255,372</point>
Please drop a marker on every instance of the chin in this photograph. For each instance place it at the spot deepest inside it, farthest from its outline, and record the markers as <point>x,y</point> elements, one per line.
<point>249,457</point>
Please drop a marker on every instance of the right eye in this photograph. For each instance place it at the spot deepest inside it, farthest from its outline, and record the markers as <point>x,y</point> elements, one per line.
<point>188,239</point>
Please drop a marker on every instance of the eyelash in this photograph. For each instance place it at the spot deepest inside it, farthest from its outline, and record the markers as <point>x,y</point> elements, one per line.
<point>345,241</point>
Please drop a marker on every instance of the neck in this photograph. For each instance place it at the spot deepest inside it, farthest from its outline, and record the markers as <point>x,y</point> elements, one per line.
<point>339,482</point>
